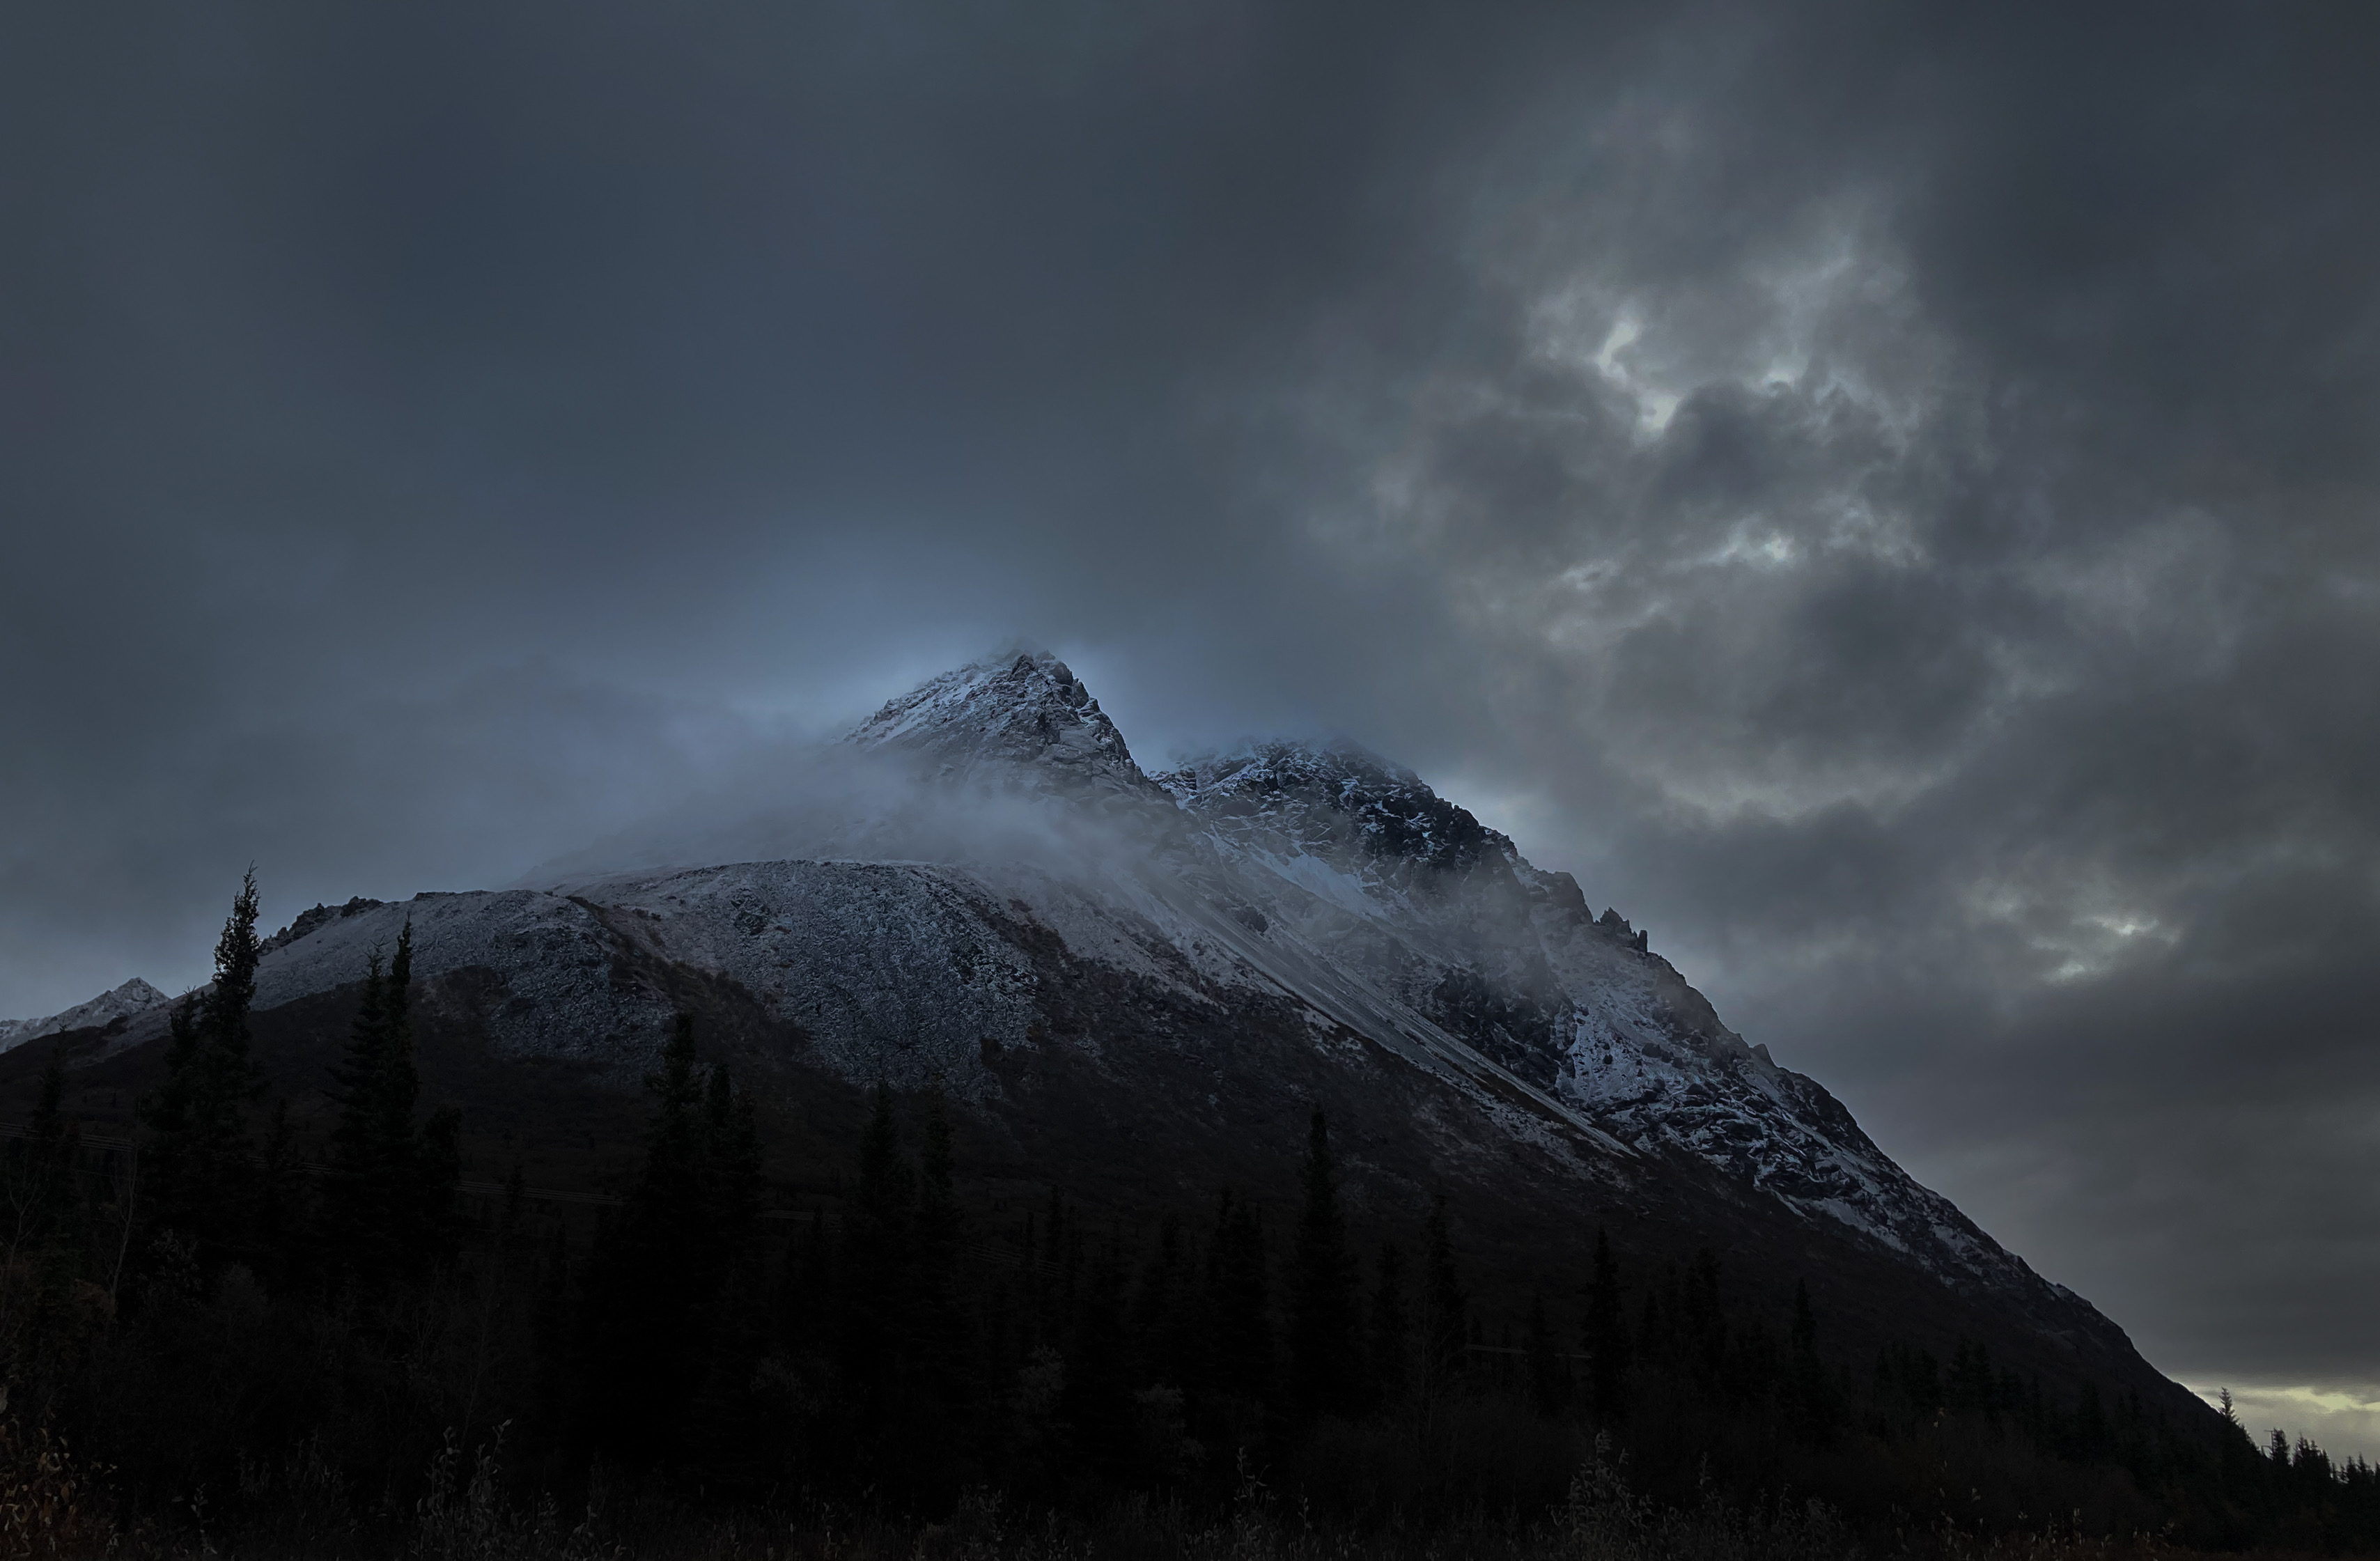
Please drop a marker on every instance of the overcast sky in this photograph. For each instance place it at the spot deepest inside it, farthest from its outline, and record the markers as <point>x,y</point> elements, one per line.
<point>1885,495</point>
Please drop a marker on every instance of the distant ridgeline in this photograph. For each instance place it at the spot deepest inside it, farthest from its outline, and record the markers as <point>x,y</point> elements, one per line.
<point>1303,1149</point>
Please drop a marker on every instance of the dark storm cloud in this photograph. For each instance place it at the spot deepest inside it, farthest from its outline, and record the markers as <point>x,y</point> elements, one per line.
<point>1914,500</point>
<point>1885,493</point>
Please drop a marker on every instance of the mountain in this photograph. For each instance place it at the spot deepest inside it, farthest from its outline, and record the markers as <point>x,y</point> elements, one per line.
<point>1136,985</point>
<point>128,1001</point>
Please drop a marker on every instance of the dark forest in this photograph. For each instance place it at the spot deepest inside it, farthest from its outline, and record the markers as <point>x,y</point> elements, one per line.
<point>228,1337</point>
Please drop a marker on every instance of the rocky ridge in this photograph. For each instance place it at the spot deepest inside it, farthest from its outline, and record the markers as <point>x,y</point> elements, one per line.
<point>1350,848</point>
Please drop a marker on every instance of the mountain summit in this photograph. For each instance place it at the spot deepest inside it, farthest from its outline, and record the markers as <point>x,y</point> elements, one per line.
<point>1143,1011</point>
<point>1023,717</point>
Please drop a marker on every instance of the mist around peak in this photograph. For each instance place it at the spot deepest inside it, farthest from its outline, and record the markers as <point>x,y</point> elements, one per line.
<point>835,802</point>
<point>1006,761</point>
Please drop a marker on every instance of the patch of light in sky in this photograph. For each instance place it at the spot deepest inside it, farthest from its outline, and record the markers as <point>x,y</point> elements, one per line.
<point>1748,547</point>
<point>1655,404</point>
<point>2343,1419</point>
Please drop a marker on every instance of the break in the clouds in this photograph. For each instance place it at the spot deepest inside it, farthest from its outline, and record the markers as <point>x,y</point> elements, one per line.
<point>1885,493</point>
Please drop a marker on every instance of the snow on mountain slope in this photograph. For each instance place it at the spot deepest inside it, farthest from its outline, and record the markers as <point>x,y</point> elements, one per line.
<point>1445,912</point>
<point>1317,885</point>
<point>133,998</point>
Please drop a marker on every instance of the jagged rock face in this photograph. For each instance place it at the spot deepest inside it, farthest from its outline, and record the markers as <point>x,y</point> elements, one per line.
<point>1371,809</point>
<point>126,1002</point>
<point>1354,852</point>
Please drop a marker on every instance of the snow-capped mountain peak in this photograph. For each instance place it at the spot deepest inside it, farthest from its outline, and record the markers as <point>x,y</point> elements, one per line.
<point>1020,718</point>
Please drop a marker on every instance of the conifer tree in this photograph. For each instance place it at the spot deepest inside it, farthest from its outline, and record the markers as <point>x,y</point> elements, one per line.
<point>1097,1395</point>
<point>1166,1315</point>
<point>41,1169</point>
<point>806,1316</point>
<point>2090,1425</point>
<point>356,1180</point>
<point>1652,1343</point>
<point>649,1274</point>
<point>280,1198</point>
<point>166,1110</point>
<point>44,1237</point>
<point>388,1191</point>
<point>1549,1373</point>
<point>429,1158</point>
<point>1812,1400</point>
<point>1606,1336</point>
<point>1445,1308</point>
<point>437,1172</point>
<point>727,1440</point>
<point>1322,1319</point>
<point>875,1273</point>
<point>198,1162</point>
<point>47,1129</point>
<point>414,1198</point>
<point>942,1318</point>
<point>1239,1305</point>
<point>1391,1340</point>
<point>1701,1321</point>
<point>731,1167</point>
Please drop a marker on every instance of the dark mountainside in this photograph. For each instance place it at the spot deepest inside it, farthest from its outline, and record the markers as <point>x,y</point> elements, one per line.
<point>935,1156</point>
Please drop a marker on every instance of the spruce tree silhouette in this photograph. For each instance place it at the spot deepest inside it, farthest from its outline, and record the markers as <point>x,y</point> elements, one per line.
<point>1239,1307</point>
<point>198,1161</point>
<point>39,1169</point>
<point>1701,1322</point>
<point>944,1343</point>
<point>725,1442</point>
<point>424,1161</point>
<point>1549,1373</point>
<point>1812,1402</point>
<point>387,1193</point>
<point>1391,1331</point>
<point>357,1211</point>
<point>1607,1336</point>
<point>348,1178</point>
<point>656,1275</point>
<point>1445,1308</point>
<point>875,1272</point>
<point>1168,1316</point>
<point>281,1202</point>
<point>1098,1396</point>
<point>1323,1334</point>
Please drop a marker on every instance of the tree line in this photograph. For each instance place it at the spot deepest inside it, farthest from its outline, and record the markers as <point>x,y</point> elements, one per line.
<point>222,1314</point>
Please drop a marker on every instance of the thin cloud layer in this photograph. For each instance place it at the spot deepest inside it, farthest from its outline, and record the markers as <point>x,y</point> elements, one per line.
<point>1883,493</point>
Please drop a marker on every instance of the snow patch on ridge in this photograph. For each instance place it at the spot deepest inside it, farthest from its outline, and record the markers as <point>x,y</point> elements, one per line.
<point>128,1001</point>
